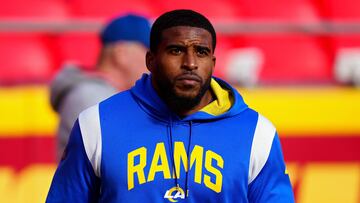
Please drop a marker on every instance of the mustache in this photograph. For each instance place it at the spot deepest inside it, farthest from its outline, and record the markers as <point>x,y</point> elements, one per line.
<point>189,76</point>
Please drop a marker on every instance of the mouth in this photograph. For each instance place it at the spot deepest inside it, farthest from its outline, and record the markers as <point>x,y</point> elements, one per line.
<point>189,80</point>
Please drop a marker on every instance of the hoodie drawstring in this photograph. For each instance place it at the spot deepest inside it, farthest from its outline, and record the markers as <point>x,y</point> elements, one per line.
<point>188,158</point>
<point>172,154</point>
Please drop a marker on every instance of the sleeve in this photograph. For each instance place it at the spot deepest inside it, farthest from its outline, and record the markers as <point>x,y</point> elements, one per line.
<point>74,179</point>
<point>272,184</point>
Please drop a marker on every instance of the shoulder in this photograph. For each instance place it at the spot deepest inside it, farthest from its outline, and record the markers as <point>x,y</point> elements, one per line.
<point>89,123</point>
<point>93,121</point>
<point>264,135</point>
<point>120,102</point>
<point>264,127</point>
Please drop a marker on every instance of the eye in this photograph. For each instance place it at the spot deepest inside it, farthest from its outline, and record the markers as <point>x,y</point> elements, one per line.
<point>175,51</point>
<point>202,52</point>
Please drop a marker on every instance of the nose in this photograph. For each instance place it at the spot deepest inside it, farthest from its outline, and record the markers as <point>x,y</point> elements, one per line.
<point>189,61</point>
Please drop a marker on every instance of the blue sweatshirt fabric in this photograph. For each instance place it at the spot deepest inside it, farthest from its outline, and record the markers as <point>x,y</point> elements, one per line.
<point>133,148</point>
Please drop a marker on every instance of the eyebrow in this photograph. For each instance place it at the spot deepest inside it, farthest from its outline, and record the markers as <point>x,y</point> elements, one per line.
<point>171,46</point>
<point>204,47</point>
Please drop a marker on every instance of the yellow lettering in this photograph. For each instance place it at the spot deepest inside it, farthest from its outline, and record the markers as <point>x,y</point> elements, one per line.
<point>159,154</point>
<point>197,158</point>
<point>180,155</point>
<point>209,156</point>
<point>138,169</point>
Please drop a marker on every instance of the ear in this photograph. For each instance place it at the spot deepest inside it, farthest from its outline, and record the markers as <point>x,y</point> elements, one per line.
<point>150,61</point>
<point>214,61</point>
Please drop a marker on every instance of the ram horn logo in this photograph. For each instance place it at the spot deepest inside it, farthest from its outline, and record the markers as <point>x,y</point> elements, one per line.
<point>174,193</point>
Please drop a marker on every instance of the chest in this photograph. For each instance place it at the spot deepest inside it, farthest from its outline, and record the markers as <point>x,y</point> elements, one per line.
<point>207,159</point>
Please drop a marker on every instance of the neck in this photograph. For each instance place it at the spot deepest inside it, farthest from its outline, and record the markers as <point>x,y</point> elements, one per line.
<point>205,100</point>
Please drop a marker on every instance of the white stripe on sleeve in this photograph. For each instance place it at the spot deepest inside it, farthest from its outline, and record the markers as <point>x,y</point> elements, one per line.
<point>261,146</point>
<point>89,121</point>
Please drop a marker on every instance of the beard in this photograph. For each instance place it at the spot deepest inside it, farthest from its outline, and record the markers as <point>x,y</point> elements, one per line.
<point>168,91</point>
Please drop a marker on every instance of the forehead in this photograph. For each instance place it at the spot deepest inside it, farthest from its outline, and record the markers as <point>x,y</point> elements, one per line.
<point>186,35</point>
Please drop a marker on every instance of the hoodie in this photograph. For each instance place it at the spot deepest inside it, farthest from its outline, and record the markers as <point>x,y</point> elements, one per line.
<point>133,148</point>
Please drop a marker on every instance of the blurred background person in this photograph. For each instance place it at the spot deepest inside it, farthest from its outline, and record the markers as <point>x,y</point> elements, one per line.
<point>124,42</point>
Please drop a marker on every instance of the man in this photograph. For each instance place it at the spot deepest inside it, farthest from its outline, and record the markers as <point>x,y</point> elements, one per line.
<point>125,41</point>
<point>179,135</point>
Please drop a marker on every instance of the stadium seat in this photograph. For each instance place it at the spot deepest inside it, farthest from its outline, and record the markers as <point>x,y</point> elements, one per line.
<point>152,8</point>
<point>344,10</point>
<point>299,11</point>
<point>349,40</point>
<point>47,9</point>
<point>213,9</point>
<point>24,57</point>
<point>290,58</point>
<point>78,48</point>
<point>101,9</point>
<point>346,60</point>
<point>223,46</point>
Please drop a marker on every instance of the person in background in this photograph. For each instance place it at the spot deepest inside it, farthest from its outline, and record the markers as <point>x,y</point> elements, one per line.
<point>124,43</point>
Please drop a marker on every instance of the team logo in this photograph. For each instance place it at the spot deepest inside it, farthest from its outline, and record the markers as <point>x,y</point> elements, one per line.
<point>174,194</point>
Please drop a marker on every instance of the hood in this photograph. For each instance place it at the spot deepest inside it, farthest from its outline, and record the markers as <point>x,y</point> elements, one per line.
<point>65,80</point>
<point>149,100</point>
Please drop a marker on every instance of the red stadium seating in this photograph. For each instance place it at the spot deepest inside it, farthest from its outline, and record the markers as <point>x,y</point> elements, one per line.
<point>279,10</point>
<point>106,9</point>
<point>53,9</point>
<point>79,48</point>
<point>346,63</point>
<point>290,58</point>
<point>24,57</point>
<point>213,9</point>
<point>96,8</point>
<point>346,41</point>
<point>344,10</point>
<point>223,46</point>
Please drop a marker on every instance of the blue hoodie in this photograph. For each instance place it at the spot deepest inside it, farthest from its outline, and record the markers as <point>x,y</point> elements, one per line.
<point>133,148</point>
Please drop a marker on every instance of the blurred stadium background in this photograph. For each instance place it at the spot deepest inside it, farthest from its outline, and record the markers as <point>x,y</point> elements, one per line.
<point>296,61</point>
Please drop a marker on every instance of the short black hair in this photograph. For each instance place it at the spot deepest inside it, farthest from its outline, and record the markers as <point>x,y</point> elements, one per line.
<point>180,17</point>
